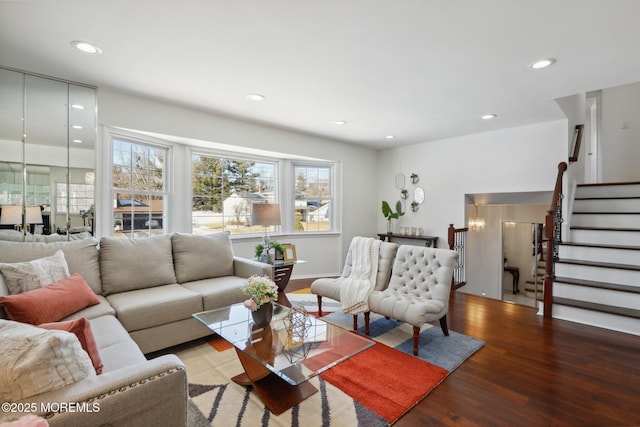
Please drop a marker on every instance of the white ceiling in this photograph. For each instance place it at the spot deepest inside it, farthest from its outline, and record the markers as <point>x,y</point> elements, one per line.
<point>418,69</point>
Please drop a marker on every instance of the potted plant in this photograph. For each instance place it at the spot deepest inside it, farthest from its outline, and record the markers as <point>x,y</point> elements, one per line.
<point>263,292</point>
<point>262,252</point>
<point>389,214</point>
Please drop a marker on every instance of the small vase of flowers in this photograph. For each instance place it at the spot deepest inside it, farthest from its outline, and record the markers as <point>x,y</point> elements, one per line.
<point>263,292</point>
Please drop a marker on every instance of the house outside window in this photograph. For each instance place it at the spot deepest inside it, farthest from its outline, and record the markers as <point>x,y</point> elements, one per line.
<point>139,180</point>
<point>313,198</point>
<point>224,190</point>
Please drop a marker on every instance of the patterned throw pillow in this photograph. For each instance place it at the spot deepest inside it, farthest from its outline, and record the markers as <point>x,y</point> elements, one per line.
<point>36,360</point>
<point>26,276</point>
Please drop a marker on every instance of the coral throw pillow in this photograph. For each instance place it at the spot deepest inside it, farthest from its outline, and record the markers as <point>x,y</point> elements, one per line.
<point>51,303</point>
<point>82,329</point>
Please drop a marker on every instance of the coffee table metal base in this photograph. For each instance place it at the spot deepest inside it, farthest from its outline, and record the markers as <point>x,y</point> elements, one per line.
<point>275,393</point>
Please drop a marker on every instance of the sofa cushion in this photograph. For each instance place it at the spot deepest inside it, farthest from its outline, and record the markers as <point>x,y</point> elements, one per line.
<point>130,264</point>
<point>220,291</point>
<point>145,308</point>
<point>115,345</point>
<point>81,256</point>
<point>93,311</point>
<point>36,360</point>
<point>51,303</point>
<point>81,328</point>
<point>201,257</point>
<point>27,276</point>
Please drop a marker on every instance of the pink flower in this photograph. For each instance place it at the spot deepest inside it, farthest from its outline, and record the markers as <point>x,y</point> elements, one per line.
<point>251,305</point>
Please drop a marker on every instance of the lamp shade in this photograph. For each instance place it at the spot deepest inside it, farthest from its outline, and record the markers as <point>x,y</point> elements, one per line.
<point>34,215</point>
<point>265,214</point>
<point>11,215</point>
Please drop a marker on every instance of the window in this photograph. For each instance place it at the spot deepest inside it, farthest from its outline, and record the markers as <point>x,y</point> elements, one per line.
<point>139,176</point>
<point>313,197</point>
<point>224,189</point>
<point>80,198</point>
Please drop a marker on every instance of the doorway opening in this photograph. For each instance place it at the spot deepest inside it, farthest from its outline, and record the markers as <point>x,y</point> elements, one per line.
<point>523,262</point>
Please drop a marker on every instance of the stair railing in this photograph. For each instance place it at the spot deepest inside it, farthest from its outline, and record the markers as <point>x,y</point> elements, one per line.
<point>553,234</point>
<point>457,239</point>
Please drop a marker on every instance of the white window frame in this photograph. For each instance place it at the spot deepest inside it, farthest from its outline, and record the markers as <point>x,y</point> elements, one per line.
<point>236,156</point>
<point>334,196</point>
<point>136,138</point>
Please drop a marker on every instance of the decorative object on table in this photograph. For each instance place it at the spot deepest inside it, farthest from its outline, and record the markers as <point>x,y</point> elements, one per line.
<point>263,292</point>
<point>277,246</point>
<point>289,251</point>
<point>389,214</point>
<point>266,215</point>
<point>297,324</point>
<point>415,178</point>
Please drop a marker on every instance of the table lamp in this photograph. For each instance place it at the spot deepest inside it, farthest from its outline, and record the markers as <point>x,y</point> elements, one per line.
<point>11,214</point>
<point>265,214</point>
<point>33,216</point>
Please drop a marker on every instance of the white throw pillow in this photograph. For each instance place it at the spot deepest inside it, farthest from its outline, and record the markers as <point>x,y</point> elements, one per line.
<point>36,360</point>
<point>27,276</point>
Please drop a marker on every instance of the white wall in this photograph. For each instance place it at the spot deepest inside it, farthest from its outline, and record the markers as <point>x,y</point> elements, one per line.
<point>620,135</point>
<point>523,159</point>
<point>325,253</point>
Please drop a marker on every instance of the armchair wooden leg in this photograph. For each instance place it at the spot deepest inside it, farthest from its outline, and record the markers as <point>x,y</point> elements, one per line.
<point>416,339</point>
<point>366,323</point>
<point>443,325</point>
<point>319,305</point>
<point>355,322</point>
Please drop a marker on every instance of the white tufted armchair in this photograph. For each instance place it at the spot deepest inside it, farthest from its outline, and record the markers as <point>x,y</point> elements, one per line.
<point>418,290</point>
<point>330,287</point>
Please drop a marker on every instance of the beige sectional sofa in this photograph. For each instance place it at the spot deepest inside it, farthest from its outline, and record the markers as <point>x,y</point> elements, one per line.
<point>148,290</point>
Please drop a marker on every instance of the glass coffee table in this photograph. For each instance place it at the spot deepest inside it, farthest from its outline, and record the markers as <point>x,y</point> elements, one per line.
<point>280,358</point>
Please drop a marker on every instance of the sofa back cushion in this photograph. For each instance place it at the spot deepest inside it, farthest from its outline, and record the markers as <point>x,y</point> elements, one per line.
<point>81,256</point>
<point>202,257</point>
<point>130,264</point>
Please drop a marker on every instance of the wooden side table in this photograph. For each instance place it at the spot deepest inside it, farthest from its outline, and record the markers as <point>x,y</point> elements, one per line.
<point>429,241</point>
<point>515,272</point>
<point>281,275</point>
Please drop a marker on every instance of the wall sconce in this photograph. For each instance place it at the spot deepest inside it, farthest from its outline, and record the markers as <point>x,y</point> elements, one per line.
<point>476,223</point>
<point>509,224</point>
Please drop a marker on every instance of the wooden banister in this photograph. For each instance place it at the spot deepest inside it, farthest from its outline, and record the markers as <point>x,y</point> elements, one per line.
<point>577,140</point>
<point>553,221</point>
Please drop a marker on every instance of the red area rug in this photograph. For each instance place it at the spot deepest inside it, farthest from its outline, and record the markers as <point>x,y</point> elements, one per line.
<point>385,380</point>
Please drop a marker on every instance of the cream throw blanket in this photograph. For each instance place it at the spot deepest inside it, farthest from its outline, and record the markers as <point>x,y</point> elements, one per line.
<point>355,289</point>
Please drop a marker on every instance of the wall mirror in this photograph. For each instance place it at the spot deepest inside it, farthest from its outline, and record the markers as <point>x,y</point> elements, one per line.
<point>399,181</point>
<point>47,161</point>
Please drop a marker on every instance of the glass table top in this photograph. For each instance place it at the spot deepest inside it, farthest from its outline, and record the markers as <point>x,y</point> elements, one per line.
<point>294,346</point>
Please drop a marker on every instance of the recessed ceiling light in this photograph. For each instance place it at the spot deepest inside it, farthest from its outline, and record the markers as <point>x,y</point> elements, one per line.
<point>77,141</point>
<point>489,116</point>
<point>543,63</point>
<point>255,97</point>
<point>340,122</point>
<point>390,136</point>
<point>77,106</point>
<point>86,47</point>
<point>76,126</point>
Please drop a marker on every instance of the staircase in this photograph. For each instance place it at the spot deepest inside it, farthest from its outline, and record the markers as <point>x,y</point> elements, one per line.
<point>534,286</point>
<point>597,275</point>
